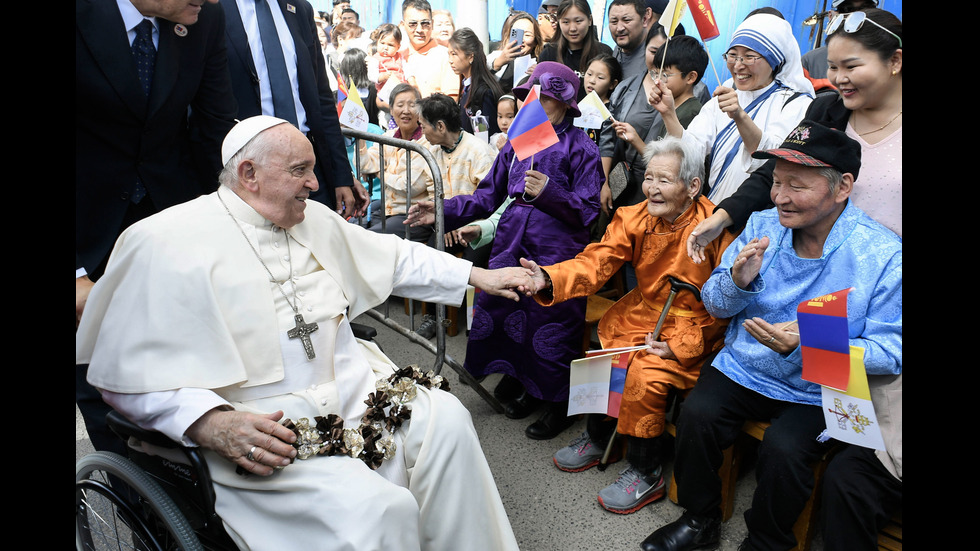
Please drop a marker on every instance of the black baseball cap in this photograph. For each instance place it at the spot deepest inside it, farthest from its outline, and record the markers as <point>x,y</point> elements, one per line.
<point>813,144</point>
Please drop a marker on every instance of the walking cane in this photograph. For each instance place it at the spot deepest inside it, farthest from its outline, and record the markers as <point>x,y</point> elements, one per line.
<point>676,286</point>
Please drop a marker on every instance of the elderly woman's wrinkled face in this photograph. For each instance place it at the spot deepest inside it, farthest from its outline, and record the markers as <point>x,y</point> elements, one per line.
<point>403,111</point>
<point>750,71</point>
<point>667,196</point>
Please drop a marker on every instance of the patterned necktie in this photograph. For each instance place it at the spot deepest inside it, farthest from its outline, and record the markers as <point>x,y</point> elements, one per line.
<point>145,54</point>
<point>275,62</point>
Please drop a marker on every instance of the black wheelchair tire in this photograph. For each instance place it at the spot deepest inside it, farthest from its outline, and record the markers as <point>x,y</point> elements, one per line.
<point>145,509</point>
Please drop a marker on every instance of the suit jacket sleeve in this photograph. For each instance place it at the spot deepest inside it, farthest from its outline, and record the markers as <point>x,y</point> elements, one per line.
<point>213,109</point>
<point>334,152</point>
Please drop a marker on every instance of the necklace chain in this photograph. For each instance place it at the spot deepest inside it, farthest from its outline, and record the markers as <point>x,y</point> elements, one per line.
<point>882,126</point>
<point>292,304</point>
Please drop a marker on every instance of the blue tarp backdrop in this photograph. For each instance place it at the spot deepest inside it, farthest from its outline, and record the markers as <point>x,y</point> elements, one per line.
<point>728,12</point>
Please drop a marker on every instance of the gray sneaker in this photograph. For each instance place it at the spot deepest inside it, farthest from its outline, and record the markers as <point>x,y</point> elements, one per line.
<point>632,491</point>
<point>427,329</point>
<point>578,456</point>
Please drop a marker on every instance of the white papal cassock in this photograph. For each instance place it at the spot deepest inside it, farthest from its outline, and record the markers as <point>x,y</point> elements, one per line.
<point>186,319</point>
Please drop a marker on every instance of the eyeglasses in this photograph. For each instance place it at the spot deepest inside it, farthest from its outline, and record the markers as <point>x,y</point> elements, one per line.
<point>853,22</point>
<point>747,60</point>
<point>661,76</point>
<point>425,24</point>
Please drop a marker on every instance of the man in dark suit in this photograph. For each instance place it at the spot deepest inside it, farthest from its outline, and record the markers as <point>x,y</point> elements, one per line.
<point>153,102</point>
<point>310,105</point>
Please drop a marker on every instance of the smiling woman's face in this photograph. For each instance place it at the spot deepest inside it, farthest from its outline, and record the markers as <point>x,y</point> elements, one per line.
<point>403,111</point>
<point>749,76</point>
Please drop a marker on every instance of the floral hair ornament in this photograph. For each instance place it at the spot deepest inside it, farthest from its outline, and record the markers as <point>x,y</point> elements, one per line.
<point>556,87</point>
<point>557,81</point>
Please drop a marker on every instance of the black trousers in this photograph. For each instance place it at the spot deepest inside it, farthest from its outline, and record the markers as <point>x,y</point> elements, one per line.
<point>711,418</point>
<point>859,498</point>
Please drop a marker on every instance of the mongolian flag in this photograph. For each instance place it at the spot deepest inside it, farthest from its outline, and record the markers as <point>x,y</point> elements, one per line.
<point>341,93</point>
<point>671,16</point>
<point>596,381</point>
<point>531,131</point>
<point>824,339</point>
<point>704,18</point>
<point>617,381</point>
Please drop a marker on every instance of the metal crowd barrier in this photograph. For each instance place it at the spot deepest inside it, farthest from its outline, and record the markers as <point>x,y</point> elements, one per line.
<point>439,349</point>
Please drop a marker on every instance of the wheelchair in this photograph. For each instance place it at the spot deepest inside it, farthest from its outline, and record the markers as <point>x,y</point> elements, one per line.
<point>160,498</point>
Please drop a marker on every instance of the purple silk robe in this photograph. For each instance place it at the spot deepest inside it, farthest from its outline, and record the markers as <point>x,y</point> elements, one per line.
<point>523,339</point>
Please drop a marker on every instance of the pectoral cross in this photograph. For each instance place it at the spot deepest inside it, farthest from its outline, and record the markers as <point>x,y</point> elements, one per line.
<point>302,332</point>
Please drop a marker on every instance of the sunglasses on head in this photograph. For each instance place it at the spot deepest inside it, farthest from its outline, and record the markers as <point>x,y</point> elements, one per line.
<point>852,22</point>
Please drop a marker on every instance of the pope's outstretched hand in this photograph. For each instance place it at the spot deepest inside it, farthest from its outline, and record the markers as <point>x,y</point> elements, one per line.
<point>504,282</point>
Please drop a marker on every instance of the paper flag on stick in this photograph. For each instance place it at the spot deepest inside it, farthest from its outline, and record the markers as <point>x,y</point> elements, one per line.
<point>850,416</point>
<point>617,382</point>
<point>671,16</point>
<point>824,340</point>
<point>354,115</point>
<point>593,112</point>
<point>704,18</point>
<point>531,131</point>
<point>597,381</point>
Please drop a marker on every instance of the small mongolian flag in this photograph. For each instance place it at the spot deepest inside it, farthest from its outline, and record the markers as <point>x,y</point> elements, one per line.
<point>531,131</point>
<point>824,340</point>
<point>341,93</point>
<point>617,381</point>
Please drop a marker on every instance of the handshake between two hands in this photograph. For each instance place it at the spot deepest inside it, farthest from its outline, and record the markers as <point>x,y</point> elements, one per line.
<point>528,279</point>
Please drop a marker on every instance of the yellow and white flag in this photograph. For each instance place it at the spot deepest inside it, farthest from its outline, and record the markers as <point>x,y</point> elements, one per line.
<point>354,115</point>
<point>671,17</point>
<point>593,112</point>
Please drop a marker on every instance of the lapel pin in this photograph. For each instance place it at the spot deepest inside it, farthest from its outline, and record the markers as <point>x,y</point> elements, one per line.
<point>290,8</point>
<point>180,30</point>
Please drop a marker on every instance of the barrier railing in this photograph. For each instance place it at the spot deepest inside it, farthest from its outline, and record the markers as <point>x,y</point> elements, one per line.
<point>439,349</point>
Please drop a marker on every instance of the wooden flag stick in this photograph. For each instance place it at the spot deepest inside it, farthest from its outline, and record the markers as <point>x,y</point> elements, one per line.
<point>714,69</point>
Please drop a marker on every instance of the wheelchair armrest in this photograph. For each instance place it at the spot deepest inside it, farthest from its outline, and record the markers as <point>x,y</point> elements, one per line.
<point>125,428</point>
<point>364,332</point>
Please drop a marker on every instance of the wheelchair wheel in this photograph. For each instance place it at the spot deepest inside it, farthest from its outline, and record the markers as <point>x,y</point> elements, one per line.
<point>118,506</point>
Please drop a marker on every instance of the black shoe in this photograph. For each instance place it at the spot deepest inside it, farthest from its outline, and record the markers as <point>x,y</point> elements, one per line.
<point>509,388</point>
<point>554,420</point>
<point>427,329</point>
<point>686,533</point>
<point>522,406</point>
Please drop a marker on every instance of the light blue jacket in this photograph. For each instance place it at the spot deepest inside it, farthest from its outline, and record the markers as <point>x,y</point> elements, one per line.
<point>858,253</point>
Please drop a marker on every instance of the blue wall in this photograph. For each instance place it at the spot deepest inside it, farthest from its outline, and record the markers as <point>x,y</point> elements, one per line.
<point>729,14</point>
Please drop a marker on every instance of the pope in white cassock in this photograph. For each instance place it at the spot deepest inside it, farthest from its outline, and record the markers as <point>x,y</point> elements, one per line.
<point>217,318</point>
